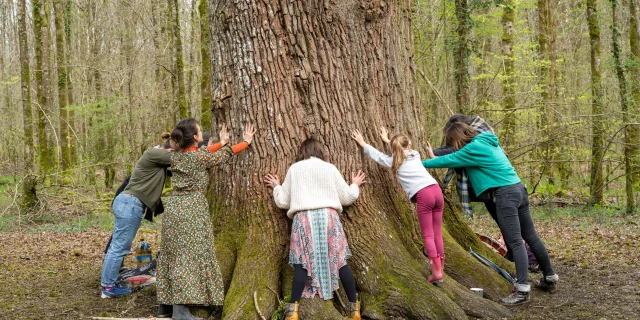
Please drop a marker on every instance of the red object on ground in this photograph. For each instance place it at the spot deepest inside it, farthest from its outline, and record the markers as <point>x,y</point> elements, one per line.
<point>493,244</point>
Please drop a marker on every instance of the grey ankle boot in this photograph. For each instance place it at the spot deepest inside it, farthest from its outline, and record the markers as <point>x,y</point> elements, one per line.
<point>181,312</point>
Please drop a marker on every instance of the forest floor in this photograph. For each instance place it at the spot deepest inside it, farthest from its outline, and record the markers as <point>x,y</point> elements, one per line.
<point>50,268</point>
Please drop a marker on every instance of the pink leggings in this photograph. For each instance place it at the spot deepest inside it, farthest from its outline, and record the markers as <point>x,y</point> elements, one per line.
<point>430,204</point>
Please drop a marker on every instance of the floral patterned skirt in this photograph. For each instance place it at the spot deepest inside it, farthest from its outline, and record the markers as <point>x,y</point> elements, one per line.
<point>319,244</point>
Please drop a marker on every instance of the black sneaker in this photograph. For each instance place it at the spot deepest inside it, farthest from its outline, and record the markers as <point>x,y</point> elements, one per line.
<point>165,311</point>
<point>548,283</point>
<point>516,297</point>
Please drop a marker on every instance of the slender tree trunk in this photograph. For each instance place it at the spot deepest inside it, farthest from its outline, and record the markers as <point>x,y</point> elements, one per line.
<point>597,111</point>
<point>191,48</point>
<point>70,101</point>
<point>183,108</point>
<point>43,149</point>
<point>633,128</point>
<point>29,198</point>
<point>205,80</point>
<point>25,85</point>
<point>462,56</point>
<point>546,48</point>
<point>622,83</point>
<point>299,69</point>
<point>65,126</point>
<point>508,82</point>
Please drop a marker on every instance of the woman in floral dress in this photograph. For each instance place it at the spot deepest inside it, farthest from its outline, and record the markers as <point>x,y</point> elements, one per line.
<point>188,271</point>
<point>314,191</point>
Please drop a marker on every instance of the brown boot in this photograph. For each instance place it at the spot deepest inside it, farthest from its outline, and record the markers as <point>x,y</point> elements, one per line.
<point>292,311</point>
<point>354,310</point>
<point>436,271</point>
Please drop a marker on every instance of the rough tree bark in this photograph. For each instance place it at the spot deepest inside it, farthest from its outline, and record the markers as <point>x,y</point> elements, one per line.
<point>319,68</point>
<point>597,110</point>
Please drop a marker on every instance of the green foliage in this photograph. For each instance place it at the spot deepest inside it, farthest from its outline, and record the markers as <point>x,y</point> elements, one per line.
<point>280,312</point>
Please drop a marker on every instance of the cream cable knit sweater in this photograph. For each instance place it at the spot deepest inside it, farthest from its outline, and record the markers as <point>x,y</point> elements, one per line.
<point>313,184</point>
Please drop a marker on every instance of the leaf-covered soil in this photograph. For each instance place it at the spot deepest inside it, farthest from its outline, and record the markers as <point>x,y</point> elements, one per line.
<point>56,275</point>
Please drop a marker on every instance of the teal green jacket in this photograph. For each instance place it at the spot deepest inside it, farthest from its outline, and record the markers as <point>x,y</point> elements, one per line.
<point>486,164</point>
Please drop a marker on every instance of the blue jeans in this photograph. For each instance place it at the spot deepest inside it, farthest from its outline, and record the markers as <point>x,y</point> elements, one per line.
<point>128,211</point>
<point>514,219</point>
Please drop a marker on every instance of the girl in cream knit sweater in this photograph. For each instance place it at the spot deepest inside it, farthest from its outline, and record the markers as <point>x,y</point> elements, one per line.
<point>314,193</point>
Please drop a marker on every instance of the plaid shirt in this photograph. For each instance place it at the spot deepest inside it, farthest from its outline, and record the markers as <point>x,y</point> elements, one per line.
<point>462,183</point>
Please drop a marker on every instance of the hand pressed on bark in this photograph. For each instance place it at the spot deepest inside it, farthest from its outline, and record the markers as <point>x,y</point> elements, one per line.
<point>271,181</point>
<point>358,178</point>
<point>357,136</point>
<point>430,151</point>
<point>224,135</point>
<point>249,131</point>
<point>384,134</point>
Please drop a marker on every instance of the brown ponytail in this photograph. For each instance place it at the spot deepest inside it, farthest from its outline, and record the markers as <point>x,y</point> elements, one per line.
<point>398,144</point>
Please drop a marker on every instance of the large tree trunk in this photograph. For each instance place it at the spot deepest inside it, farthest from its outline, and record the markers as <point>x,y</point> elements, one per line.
<point>313,68</point>
<point>597,110</point>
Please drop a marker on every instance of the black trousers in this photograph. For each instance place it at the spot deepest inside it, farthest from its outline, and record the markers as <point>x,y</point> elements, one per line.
<point>515,222</point>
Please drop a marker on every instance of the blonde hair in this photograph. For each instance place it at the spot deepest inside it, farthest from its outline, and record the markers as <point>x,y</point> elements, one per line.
<point>398,144</point>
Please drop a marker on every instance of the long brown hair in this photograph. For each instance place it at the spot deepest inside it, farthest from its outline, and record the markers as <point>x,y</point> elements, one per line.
<point>398,144</point>
<point>310,148</point>
<point>458,134</point>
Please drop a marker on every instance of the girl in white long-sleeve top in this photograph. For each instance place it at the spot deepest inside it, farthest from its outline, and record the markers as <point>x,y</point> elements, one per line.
<point>314,193</point>
<point>420,187</point>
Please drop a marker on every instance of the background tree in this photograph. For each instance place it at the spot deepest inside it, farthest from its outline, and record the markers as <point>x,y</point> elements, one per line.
<point>39,23</point>
<point>508,82</point>
<point>29,192</point>
<point>463,94</point>
<point>597,111</point>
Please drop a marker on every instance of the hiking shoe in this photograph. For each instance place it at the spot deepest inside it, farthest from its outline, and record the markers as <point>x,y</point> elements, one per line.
<point>165,311</point>
<point>114,292</point>
<point>548,283</point>
<point>516,297</point>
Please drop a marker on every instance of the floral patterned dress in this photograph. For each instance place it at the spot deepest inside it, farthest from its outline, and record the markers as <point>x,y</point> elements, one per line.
<point>188,270</point>
<point>319,244</point>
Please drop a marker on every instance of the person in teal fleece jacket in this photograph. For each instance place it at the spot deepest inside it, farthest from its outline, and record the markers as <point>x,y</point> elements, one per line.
<point>489,170</point>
